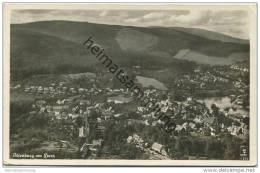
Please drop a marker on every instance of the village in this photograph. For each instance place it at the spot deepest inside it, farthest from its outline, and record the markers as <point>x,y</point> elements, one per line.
<point>81,115</point>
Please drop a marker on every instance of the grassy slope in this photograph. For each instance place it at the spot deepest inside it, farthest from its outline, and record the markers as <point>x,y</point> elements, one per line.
<point>211,35</point>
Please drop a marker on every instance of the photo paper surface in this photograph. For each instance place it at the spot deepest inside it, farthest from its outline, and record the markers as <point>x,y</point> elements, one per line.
<point>130,84</point>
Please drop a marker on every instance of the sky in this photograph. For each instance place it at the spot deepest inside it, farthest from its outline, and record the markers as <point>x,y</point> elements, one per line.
<point>234,23</point>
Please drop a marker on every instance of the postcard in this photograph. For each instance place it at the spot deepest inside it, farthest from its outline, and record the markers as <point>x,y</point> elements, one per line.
<point>130,84</point>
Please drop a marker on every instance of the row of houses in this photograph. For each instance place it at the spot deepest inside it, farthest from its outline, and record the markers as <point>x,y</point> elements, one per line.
<point>59,90</point>
<point>236,67</point>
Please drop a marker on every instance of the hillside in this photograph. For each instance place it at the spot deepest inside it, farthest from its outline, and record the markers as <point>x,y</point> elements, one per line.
<point>56,47</point>
<point>211,35</point>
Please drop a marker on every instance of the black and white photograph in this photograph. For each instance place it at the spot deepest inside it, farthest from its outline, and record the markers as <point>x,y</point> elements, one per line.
<point>130,84</point>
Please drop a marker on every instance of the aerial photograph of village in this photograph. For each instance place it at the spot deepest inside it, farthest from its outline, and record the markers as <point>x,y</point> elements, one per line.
<point>89,84</point>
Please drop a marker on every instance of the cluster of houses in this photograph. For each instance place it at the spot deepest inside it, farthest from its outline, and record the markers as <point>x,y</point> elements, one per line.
<point>155,148</point>
<point>236,73</point>
<point>200,80</point>
<point>59,89</point>
<point>239,68</point>
<point>240,131</point>
<point>59,109</point>
<point>204,79</point>
<point>136,140</point>
<point>189,116</point>
<point>239,85</point>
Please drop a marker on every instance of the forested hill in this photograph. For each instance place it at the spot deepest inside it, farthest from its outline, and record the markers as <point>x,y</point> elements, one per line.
<point>55,46</point>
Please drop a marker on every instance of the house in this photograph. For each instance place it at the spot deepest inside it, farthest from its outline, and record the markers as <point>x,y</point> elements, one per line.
<point>116,90</point>
<point>64,144</point>
<point>141,109</point>
<point>46,90</point>
<point>101,128</point>
<point>147,115</point>
<point>73,115</point>
<point>62,83</point>
<point>107,115</point>
<point>73,90</point>
<point>57,114</point>
<point>17,86</point>
<point>57,108</point>
<point>64,115</point>
<point>81,111</point>
<point>179,128</point>
<point>51,88</point>
<point>134,121</point>
<point>208,120</point>
<point>212,134</point>
<point>234,130</point>
<point>197,120</point>
<point>64,89</point>
<point>40,102</point>
<point>117,115</point>
<point>164,109</point>
<point>82,132</point>
<point>239,101</point>
<point>154,123</point>
<point>40,90</point>
<point>159,148</point>
<point>61,92</point>
<point>97,142</point>
<point>33,89</point>
<point>147,122</point>
<point>32,112</point>
<point>196,70</point>
<point>135,139</point>
<point>26,89</point>
<point>192,125</point>
<point>129,139</point>
<point>192,157</point>
<point>48,108</point>
<point>59,102</point>
<point>119,99</point>
<point>42,109</point>
<point>81,90</point>
<point>245,70</point>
